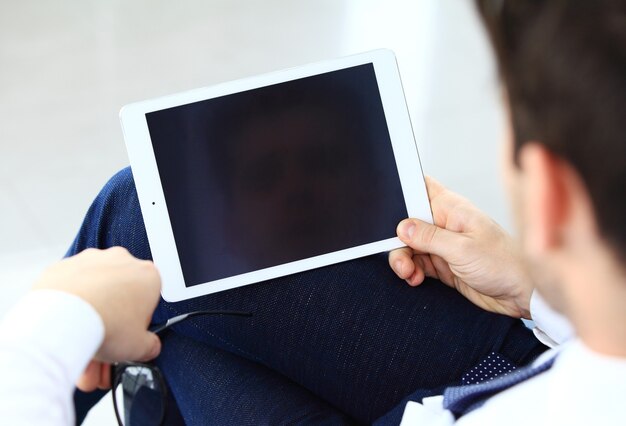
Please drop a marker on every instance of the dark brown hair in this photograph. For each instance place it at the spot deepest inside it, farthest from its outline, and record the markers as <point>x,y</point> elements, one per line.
<point>563,63</point>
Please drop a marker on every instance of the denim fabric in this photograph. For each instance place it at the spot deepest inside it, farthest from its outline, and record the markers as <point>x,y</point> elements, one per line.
<point>345,343</point>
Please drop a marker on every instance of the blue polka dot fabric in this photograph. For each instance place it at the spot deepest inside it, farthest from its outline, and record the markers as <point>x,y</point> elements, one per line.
<point>493,366</point>
<point>461,400</point>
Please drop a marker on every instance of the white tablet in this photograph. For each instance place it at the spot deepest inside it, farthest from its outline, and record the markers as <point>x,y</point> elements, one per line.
<point>275,174</point>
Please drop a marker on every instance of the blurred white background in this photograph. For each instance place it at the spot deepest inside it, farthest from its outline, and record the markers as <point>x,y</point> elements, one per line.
<point>67,67</point>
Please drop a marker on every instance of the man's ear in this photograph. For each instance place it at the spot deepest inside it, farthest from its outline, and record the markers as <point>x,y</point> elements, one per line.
<point>545,197</point>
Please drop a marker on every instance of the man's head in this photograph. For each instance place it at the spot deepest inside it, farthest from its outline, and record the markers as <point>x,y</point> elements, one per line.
<point>563,65</point>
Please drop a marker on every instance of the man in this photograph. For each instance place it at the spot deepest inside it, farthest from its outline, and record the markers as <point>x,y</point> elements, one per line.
<point>349,343</point>
<point>564,68</point>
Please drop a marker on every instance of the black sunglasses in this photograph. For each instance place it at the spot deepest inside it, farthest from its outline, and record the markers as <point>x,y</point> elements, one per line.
<point>139,390</point>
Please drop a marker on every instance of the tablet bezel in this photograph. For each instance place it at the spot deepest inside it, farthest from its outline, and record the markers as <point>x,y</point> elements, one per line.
<point>152,199</point>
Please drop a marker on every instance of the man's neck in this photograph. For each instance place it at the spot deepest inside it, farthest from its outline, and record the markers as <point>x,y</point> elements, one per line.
<point>597,305</point>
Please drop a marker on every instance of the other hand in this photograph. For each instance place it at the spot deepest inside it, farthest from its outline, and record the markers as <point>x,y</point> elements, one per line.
<point>124,291</point>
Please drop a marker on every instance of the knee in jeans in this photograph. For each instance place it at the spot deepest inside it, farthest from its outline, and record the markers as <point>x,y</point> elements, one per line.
<point>119,191</point>
<point>121,180</point>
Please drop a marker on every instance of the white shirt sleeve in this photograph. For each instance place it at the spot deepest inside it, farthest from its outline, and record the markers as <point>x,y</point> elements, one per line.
<point>46,341</point>
<point>551,328</point>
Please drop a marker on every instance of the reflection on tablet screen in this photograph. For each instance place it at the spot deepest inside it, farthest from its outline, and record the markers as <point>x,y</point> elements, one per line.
<point>277,174</point>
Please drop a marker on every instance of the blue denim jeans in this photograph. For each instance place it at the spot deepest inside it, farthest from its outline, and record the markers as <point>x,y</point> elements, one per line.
<point>348,343</point>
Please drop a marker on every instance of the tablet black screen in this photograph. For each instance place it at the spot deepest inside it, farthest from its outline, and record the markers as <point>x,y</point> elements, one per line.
<point>277,174</point>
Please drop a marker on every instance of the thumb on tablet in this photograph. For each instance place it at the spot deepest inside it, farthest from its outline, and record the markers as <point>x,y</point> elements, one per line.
<point>426,238</point>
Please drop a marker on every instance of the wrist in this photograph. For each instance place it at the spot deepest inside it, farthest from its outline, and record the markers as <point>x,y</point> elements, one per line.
<point>523,306</point>
<point>523,283</point>
<point>521,300</point>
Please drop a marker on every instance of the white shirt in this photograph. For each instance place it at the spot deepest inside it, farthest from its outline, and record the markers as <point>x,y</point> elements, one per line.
<point>582,387</point>
<point>46,341</point>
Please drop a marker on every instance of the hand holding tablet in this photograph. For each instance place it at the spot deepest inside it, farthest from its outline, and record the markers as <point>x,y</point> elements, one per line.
<point>275,174</point>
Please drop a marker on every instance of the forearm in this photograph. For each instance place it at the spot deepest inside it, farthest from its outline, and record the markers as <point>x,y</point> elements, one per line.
<point>46,342</point>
